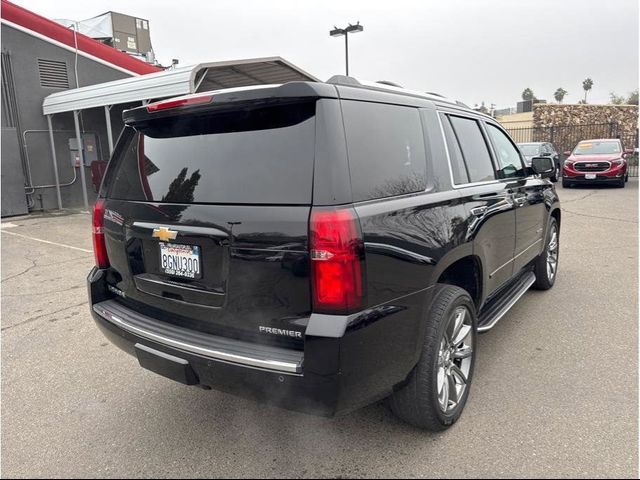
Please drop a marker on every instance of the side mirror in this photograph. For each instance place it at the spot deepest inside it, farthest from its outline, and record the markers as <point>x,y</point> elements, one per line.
<point>567,153</point>
<point>627,152</point>
<point>543,166</point>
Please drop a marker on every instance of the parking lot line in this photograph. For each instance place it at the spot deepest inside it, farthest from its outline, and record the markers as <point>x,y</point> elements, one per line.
<point>46,241</point>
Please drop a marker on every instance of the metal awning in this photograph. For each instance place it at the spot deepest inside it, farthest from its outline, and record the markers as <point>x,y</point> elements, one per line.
<point>179,81</point>
<point>154,86</point>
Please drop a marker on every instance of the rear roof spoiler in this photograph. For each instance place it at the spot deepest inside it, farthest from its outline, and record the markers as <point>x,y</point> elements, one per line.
<point>229,99</point>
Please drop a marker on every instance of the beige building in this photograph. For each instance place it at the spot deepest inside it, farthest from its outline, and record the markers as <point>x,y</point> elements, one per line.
<point>516,120</point>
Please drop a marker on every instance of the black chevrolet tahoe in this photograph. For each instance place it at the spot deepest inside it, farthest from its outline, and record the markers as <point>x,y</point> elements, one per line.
<point>318,246</point>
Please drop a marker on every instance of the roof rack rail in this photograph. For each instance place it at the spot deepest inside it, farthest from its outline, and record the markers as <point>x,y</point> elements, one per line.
<point>386,85</point>
<point>343,80</point>
<point>391,84</point>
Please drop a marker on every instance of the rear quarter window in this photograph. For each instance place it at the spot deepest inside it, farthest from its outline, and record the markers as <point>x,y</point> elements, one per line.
<point>386,150</point>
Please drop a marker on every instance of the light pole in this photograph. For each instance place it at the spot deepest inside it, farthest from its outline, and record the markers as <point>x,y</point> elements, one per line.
<point>338,32</point>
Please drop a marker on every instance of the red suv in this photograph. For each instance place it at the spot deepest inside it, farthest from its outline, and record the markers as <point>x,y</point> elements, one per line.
<point>598,161</point>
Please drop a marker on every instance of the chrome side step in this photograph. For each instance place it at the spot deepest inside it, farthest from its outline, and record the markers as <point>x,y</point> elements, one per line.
<point>492,313</point>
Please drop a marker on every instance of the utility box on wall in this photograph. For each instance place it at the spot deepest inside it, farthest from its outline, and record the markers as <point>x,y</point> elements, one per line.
<point>90,150</point>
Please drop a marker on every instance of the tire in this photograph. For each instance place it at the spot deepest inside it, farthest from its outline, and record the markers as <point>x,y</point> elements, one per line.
<point>621,183</point>
<point>546,266</point>
<point>418,401</point>
<point>556,175</point>
<point>565,183</point>
<point>626,178</point>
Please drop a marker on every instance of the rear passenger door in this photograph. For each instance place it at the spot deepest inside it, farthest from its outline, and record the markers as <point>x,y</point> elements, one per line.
<point>488,199</point>
<point>528,196</point>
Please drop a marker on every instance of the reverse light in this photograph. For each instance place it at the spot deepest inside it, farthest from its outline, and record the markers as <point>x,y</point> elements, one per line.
<point>99,244</point>
<point>337,257</point>
<point>179,102</point>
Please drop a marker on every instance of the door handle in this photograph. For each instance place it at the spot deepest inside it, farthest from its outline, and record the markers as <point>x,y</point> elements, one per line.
<point>520,201</point>
<point>479,211</point>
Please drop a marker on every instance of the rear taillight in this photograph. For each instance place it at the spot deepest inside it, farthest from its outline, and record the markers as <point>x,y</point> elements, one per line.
<point>179,102</point>
<point>99,245</point>
<point>337,257</point>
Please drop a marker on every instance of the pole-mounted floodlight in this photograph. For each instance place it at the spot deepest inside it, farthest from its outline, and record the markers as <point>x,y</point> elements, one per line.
<point>338,32</point>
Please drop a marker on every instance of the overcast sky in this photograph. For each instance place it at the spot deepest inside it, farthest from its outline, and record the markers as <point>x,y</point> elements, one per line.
<point>472,50</point>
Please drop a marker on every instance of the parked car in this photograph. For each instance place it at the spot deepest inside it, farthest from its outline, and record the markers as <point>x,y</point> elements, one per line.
<point>319,246</point>
<point>542,149</point>
<point>596,161</point>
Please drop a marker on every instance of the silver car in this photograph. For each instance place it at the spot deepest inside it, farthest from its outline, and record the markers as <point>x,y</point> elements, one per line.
<point>541,149</point>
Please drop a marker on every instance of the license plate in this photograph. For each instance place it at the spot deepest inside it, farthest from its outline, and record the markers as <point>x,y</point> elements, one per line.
<point>180,260</point>
<point>590,176</point>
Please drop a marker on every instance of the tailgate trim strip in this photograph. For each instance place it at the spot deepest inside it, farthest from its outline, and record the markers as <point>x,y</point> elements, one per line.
<point>209,351</point>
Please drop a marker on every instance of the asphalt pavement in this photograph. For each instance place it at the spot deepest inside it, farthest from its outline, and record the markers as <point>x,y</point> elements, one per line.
<point>555,392</point>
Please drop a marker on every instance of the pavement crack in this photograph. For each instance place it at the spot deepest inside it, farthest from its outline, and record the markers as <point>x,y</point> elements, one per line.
<point>34,264</point>
<point>75,287</point>
<point>33,319</point>
<point>580,198</point>
<point>598,217</point>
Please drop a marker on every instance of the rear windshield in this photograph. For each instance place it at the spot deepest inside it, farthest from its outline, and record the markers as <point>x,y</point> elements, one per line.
<point>529,149</point>
<point>252,156</point>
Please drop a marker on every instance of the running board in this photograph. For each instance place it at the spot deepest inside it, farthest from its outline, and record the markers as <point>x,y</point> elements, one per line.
<point>496,309</point>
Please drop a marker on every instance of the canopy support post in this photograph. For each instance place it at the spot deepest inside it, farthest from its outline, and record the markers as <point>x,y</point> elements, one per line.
<point>81,155</point>
<point>55,162</point>
<point>107,117</point>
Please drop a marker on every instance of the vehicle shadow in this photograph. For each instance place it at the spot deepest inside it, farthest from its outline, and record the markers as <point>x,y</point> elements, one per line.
<point>221,435</point>
<point>180,430</point>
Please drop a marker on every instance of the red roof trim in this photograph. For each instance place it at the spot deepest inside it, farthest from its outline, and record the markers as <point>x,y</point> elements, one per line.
<point>32,21</point>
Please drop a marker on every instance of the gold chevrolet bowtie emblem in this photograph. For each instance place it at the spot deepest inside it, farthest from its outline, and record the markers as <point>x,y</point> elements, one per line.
<point>164,234</point>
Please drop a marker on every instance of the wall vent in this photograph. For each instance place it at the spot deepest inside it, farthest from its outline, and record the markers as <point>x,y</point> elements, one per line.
<point>53,74</point>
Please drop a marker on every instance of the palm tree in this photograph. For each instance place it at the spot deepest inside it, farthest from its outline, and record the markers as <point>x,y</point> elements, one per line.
<point>527,94</point>
<point>586,85</point>
<point>560,94</point>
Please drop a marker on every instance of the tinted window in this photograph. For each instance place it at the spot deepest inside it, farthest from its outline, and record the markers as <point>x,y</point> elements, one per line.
<point>460,175</point>
<point>530,149</point>
<point>260,156</point>
<point>474,149</point>
<point>386,149</point>
<point>507,154</point>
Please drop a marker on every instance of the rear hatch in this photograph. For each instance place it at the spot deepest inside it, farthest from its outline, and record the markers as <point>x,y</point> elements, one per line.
<point>206,215</point>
